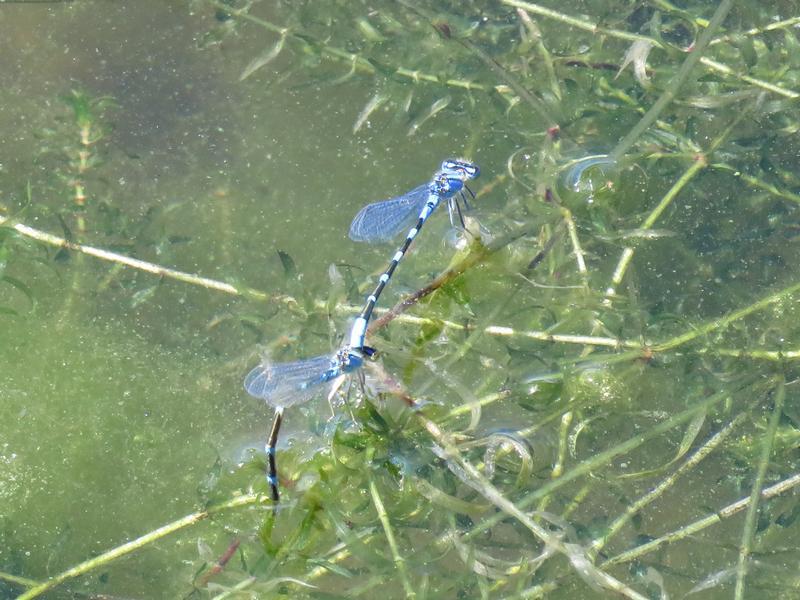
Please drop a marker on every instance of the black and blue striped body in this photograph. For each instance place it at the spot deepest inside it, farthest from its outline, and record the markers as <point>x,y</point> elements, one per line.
<point>282,385</point>
<point>375,221</point>
<point>288,384</point>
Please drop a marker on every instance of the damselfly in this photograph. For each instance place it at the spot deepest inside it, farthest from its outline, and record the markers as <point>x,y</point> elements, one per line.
<point>381,221</point>
<point>282,385</point>
<point>287,384</point>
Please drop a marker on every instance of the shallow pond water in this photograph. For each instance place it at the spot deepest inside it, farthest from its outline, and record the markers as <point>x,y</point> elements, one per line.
<point>603,363</point>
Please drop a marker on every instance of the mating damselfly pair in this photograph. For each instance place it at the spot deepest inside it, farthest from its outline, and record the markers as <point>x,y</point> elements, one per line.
<point>287,384</point>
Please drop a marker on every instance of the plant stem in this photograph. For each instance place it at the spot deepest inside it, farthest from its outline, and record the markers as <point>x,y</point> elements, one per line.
<point>675,83</point>
<point>149,267</point>
<point>579,23</point>
<point>784,24</point>
<point>757,183</point>
<point>749,529</point>
<point>765,85</point>
<point>17,580</point>
<point>138,543</point>
<point>399,562</point>
<point>727,320</point>
<point>627,254</point>
<point>693,528</point>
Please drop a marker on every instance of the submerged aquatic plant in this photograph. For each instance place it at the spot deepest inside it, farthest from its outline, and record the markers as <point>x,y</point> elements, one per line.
<point>13,252</point>
<point>71,147</point>
<point>603,387</point>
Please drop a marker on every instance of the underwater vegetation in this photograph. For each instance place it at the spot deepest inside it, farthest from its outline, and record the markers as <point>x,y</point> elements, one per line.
<point>587,391</point>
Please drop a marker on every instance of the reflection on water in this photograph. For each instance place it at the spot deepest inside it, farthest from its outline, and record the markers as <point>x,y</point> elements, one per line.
<point>579,176</point>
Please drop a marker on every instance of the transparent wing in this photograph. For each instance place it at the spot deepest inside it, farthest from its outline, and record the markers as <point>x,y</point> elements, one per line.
<point>381,221</point>
<point>288,384</point>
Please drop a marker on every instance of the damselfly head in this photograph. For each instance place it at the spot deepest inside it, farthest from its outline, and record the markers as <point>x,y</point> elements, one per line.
<point>458,167</point>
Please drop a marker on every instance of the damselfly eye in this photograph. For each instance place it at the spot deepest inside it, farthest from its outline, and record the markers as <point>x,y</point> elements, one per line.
<point>468,170</point>
<point>464,169</point>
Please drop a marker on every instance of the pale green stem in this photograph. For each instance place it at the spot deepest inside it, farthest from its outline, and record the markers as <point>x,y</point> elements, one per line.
<point>784,24</point>
<point>498,330</point>
<point>399,561</point>
<point>771,355</point>
<point>675,83</point>
<point>765,85</point>
<point>627,253</point>
<point>561,456</point>
<point>17,580</point>
<point>757,183</point>
<point>693,528</point>
<point>579,23</point>
<point>577,500</point>
<point>609,342</point>
<point>468,407</point>
<point>749,529</point>
<point>577,249</point>
<point>155,535</point>
<point>721,322</point>
<point>142,265</point>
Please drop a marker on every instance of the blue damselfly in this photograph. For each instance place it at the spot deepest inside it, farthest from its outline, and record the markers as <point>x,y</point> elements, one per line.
<point>381,221</point>
<point>282,385</point>
<point>287,384</point>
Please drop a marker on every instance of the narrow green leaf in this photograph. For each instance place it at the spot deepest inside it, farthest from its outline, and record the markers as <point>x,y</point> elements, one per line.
<point>143,296</point>
<point>13,281</point>
<point>289,266</point>
<point>332,567</point>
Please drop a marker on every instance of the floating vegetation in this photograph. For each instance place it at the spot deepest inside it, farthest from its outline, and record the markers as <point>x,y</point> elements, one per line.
<point>592,396</point>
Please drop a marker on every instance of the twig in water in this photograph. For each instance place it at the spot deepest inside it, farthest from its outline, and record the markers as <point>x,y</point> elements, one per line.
<point>148,267</point>
<point>220,564</point>
<point>477,253</point>
<point>140,542</point>
<point>749,530</point>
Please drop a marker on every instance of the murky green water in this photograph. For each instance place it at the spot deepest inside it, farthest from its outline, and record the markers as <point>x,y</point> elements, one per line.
<point>554,396</point>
